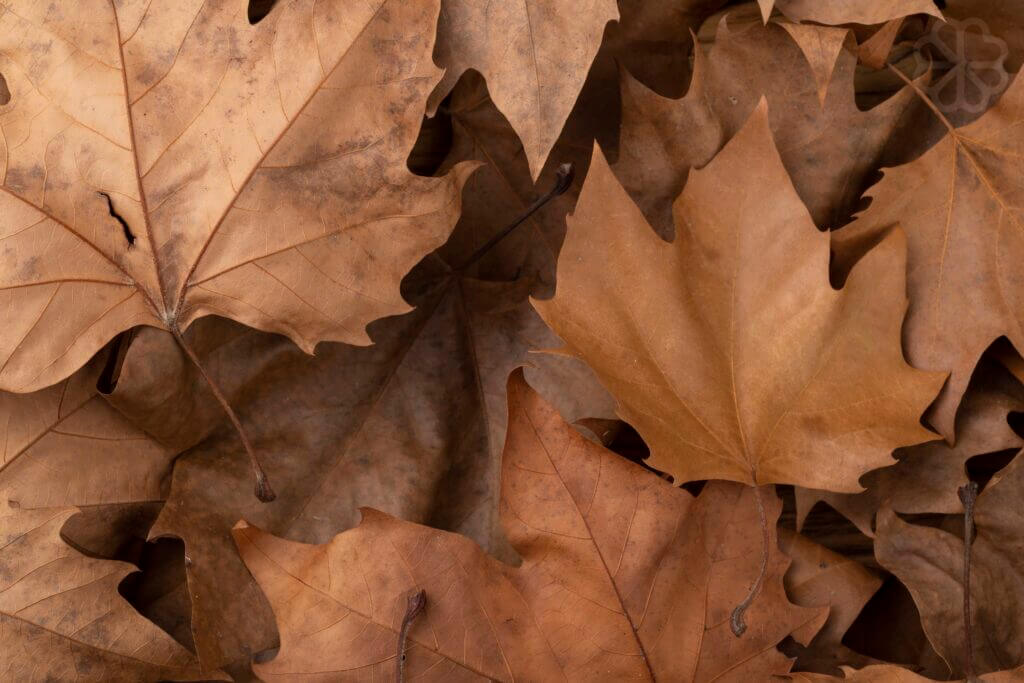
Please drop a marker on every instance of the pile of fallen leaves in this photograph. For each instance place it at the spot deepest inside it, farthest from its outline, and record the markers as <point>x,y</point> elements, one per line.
<point>521,340</point>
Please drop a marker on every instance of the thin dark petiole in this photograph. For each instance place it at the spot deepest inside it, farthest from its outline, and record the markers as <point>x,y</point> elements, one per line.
<point>417,603</point>
<point>968,495</point>
<point>263,490</point>
<point>563,179</point>
<point>736,619</point>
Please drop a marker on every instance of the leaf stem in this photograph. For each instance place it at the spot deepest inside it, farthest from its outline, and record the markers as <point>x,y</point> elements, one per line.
<point>263,490</point>
<point>417,603</point>
<point>968,495</point>
<point>736,619</point>
<point>563,180</point>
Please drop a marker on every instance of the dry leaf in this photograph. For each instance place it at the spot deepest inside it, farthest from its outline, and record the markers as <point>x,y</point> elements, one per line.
<point>927,476</point>
<point>622,576</point>
<point>70,432</point>
<point>164,163</point>
<point>828,151</point>
<point>821,46</point>
<point>881,673</point>
<point>653,39</point>
<point>959,205</point>
<point>820,577</point>
<point>728,350</point>
<point>412,425</point>
<point>834,12</point>
<point>875,50</point>
<point>535,55</point>
<point>930,563</point>
<point>61,617</point>
<point>502,189</point>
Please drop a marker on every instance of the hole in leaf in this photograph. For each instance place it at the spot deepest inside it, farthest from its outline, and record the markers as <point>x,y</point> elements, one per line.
<point>258,9</point>
<point>5,93</point>
<point>128,234</point>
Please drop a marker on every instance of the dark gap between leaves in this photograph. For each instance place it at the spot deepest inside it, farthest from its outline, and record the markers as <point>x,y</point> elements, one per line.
<point>158,591</point>
<point>891,610</point>
<point>117,350</point>
<point>981,468</point>
<point>433,143</point>
<point>259,9</point>
<point>825,526</point>
<point>5,93</point>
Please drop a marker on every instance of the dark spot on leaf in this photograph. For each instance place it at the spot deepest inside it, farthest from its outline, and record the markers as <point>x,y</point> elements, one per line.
<point>258,9</point>
<point>5,93</point>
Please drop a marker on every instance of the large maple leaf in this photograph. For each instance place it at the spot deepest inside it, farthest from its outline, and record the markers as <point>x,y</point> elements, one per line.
<point>166,161</point>
<point>623,576</point>
<point>728,350</point>
<point>960,206</point>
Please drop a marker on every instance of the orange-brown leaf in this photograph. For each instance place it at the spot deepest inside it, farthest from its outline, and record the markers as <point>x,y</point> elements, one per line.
<point>728,350</point>
<point>259,170</point>
<point>623,576</point>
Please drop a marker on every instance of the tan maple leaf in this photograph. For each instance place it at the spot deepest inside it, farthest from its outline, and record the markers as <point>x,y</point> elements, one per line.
<point>960,206</point>
<point>163,162</point>
<point>623,576</point>
<point>535,55</point>
<point>728,350</point>
<point>61,617</point>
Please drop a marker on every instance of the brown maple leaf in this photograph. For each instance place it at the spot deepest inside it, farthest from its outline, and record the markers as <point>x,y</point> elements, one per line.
<point>622,576</point>
<point>959,205</point>
<point>412,425</point>
<point>829,151</point>
<point>535,55</point>
<point>834,12</point>
<point>728,350</point>
<point>162,164</point>
<point>930,562</point>
<point>61,617</point>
